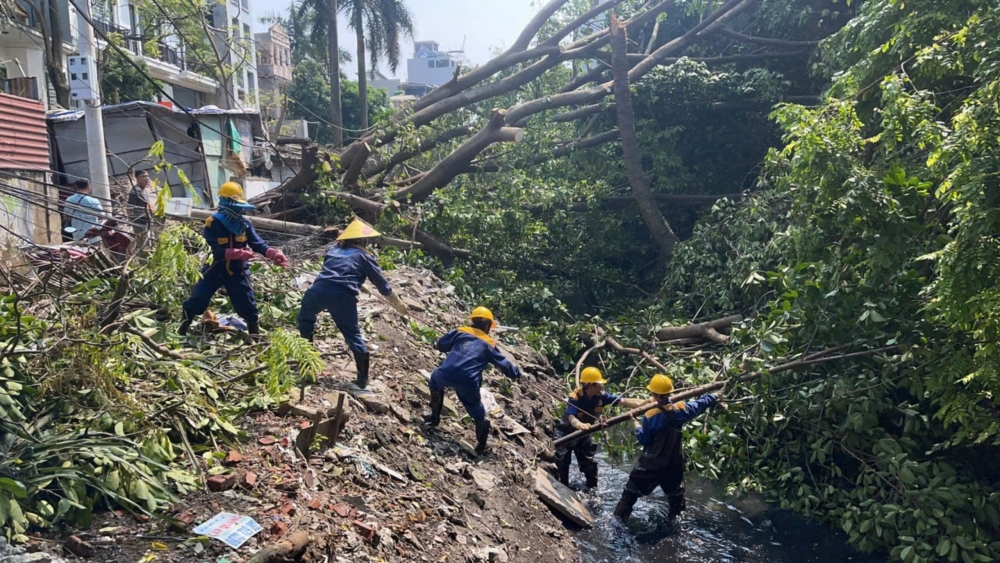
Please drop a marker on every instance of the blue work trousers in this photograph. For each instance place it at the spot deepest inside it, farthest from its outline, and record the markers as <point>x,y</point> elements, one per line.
<point>467,389</point>
<point>342,306</point>
<point>237,286</point>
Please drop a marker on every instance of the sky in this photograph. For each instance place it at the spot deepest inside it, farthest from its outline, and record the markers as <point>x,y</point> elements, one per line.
<point>483,26</point>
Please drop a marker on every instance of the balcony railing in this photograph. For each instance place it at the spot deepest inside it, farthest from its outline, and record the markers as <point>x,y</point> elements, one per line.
<point>172,56</point>
<point>130,43</point>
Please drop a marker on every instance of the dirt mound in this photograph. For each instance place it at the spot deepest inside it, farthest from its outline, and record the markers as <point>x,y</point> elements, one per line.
<point>388,489</point>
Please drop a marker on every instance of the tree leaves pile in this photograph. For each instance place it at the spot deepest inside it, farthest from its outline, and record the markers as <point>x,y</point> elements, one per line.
<point>99,405</point>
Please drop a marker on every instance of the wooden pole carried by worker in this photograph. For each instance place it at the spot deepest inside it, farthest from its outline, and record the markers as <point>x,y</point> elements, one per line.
<point>808,360</point>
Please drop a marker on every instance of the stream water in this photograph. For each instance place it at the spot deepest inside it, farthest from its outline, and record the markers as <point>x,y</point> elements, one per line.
<point>714,528</point>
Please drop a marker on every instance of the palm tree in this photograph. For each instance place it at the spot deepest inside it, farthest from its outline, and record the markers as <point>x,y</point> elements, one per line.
<point>380,26</point>
<point>324,26</point>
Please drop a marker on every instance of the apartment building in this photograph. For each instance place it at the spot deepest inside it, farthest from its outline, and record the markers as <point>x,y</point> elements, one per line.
<point>184,77</point>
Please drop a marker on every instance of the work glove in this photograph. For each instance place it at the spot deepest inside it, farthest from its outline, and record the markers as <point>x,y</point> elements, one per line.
<point>398,304</point>
<point>277,256</point>
<point>581,425</point>
<point>239,254</point>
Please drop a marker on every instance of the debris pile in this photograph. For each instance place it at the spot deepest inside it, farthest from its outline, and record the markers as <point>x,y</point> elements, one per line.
<point>362,481</point>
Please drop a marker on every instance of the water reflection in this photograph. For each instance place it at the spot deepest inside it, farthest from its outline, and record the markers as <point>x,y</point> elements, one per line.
<point>714,528</point>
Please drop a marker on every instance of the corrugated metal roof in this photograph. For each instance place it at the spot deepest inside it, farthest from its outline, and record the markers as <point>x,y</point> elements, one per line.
<point>24,137</point>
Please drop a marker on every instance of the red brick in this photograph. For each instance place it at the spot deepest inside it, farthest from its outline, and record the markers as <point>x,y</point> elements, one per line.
<point>219,483</point>
<point>267,440</point>
<point>249,479</point>
<point>364,530</point>
<point>342,510</point>
<point>184,521</point>
<point>279,529</point>
<point>233,457</point>
<point>288,509</point>
<point>315,504</point>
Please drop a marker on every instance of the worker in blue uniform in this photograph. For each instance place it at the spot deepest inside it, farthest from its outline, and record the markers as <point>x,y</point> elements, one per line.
<point>470,350</point>
<point>584,410</point>
<point>662,461</point>
<point>233,241</point>
<point>346,266</point>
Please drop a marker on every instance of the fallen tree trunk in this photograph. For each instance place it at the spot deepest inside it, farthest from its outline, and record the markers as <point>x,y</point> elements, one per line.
<point>659,229</point>
<point>708,330</point>
<point>287,549</point>
<point>811,359</point>
<point>311,230</point>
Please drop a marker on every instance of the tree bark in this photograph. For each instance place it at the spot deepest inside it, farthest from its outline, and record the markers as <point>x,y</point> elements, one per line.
<point>52,43</point>
<point>362,73</point>
<point>659,229</point>
<point>707,329</point>
<point>458,161</point>
<point>333,54</point>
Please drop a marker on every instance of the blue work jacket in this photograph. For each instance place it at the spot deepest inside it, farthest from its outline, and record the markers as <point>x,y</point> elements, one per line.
<point>348,268</point>
<point>670,417</point>
<point>580,403</point>
<point>469,352</point>
<point>220,238</point>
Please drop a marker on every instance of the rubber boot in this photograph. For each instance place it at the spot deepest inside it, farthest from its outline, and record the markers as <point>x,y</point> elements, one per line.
<point>591,475</point>
<point>623,510</point>
<point>437,403</point>
<point>183,329</point>
<point>677,504</point>
<point>253,329</point>
<point>563,468</point>
<point>308,336</point>
<point>361,360</point>
<point>482,434</point>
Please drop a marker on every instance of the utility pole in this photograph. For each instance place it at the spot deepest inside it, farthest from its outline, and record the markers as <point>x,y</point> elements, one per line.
<point>96,149</point>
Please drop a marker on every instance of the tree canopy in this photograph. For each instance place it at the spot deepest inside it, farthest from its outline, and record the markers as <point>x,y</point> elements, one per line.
<point>830,171</point>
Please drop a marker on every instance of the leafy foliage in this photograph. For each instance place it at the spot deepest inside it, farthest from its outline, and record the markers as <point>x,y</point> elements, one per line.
<point>310,91</point>
<point>97,406</point>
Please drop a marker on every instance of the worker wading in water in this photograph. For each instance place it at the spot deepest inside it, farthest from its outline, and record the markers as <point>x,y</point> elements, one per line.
<point>233,241</point>
<point>585,408</point>
<point>662,461</point>
<point>346,266</point>
<point>470,350</point>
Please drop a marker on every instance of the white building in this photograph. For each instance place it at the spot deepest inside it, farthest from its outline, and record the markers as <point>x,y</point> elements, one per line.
<point>234,18</point>
<point>390,85</point>
<point>430,66</point>
<point>183,78</point>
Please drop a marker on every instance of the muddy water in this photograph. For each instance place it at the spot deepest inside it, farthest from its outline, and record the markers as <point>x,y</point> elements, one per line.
<point>714,528</point>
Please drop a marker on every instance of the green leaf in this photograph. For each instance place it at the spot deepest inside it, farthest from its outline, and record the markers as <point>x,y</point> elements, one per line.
<point>13,487</point>
<point>944,546</point>
<point>140,490</point>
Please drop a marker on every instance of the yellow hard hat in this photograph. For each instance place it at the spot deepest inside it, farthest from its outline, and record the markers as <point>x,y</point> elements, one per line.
<point>483,313</point>
<point>358,229</point>
<point>233,191</point>
<point>591,375</point>
<point>661,385</point>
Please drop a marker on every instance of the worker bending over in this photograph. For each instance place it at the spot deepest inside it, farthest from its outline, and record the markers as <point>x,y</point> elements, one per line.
<point>233,241</point>
<point>585,408</point>
<point>662,460</point>
<point>470,350</point>
<point>346,266</point>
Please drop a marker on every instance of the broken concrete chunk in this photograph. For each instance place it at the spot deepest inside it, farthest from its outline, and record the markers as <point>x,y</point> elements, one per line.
<point>561,499</point>
<point>484,479</point>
